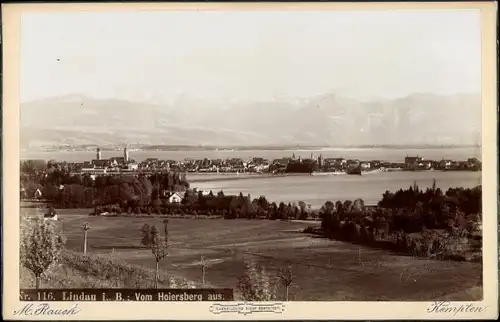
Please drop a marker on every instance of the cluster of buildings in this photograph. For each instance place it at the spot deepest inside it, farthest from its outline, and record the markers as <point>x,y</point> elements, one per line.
<point>410,164</point>
<point>261,165</point>
<point>112,165</point>
<point>419,163</point>
<point>126,165</point>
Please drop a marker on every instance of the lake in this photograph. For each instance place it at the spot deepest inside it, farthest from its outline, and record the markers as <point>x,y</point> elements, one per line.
<point>316,189</point>
<point>384,154</point>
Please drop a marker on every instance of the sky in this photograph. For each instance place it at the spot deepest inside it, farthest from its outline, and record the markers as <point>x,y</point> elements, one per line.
<point>249,55</point>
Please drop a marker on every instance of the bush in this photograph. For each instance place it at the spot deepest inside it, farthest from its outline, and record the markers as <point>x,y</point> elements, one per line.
<point>255,284</point>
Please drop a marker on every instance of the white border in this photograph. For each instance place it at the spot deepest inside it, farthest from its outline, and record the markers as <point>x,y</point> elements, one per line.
<point>293,310</point>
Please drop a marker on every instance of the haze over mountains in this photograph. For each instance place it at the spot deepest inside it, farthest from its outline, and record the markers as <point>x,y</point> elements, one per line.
<point>328,120</point>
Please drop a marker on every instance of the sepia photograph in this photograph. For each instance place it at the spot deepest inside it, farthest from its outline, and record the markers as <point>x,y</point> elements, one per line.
<point>253,158</point>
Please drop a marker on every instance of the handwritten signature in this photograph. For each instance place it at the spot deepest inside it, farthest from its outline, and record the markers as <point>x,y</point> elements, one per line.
<point>46,309</point>
<point>446,307</point>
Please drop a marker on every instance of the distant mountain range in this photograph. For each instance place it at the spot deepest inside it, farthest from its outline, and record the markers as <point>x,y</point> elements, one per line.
<point>328,120</point>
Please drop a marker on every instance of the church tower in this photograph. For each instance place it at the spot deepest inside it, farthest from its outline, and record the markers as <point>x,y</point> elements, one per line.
<point>98,154</point>
<point>125,155</point>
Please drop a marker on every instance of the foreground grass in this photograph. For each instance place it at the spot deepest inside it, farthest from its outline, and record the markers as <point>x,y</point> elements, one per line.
<point>323,269</point>
<point>75,270</point>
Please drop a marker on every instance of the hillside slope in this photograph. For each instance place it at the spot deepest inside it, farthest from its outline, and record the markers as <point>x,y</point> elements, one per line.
<point>74,270</point>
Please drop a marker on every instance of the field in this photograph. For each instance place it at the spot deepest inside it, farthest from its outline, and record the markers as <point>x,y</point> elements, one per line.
<point>323,269</point>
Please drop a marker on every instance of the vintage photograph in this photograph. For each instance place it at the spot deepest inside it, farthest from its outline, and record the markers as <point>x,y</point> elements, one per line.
<point>275,155</point>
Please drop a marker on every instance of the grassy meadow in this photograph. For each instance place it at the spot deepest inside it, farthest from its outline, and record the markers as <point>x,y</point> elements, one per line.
<point>323,269</point>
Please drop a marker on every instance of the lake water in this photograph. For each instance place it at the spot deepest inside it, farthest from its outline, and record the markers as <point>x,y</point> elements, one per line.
<point>317,189</point>
<point>385,154</point>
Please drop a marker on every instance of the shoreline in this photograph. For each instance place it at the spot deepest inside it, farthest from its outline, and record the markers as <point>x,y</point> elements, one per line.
<point>214,176</point>
<point>232,176</point>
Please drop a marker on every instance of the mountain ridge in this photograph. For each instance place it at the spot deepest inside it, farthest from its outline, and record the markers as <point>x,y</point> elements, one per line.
<point>325,120</point>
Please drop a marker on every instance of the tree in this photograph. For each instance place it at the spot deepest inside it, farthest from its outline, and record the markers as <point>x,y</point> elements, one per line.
<point>358,205</point>
<point>339,206</point>
<point>158,246</point>
<point>255,284</point>
<point>156,204</point>
<point>286,278</point>
<point>302,206</point>
<point>40,246</point>
<point>302,213</point>
<point>328,208</point>
<point>347,206</point>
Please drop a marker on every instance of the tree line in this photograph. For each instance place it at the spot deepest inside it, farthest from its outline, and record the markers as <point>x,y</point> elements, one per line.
<point>410,210</point>
<point>409,220</point>
<point>63,190</point>
<point>218,205</point>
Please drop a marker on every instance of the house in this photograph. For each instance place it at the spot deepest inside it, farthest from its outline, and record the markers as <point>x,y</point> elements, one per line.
<point>445,164</point>
<point>386,164</point>
<point>175,197</point>
<point>282,161</point>
<point>365,165</point>
<point>351,162</point>
<point>473,163</point>
<point>258,160</point>
<point>37,194</point>
<point>426,164</point>
<point>335,161</point>
<point>132,166</point>
<point>235,162</point>
<point>260,168</point>
<point>413,162</point>
<point>340,161</point>
<point>87,166</point>
<point>101,163</point>
<point>455,164</point>
<point>117,161</point>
